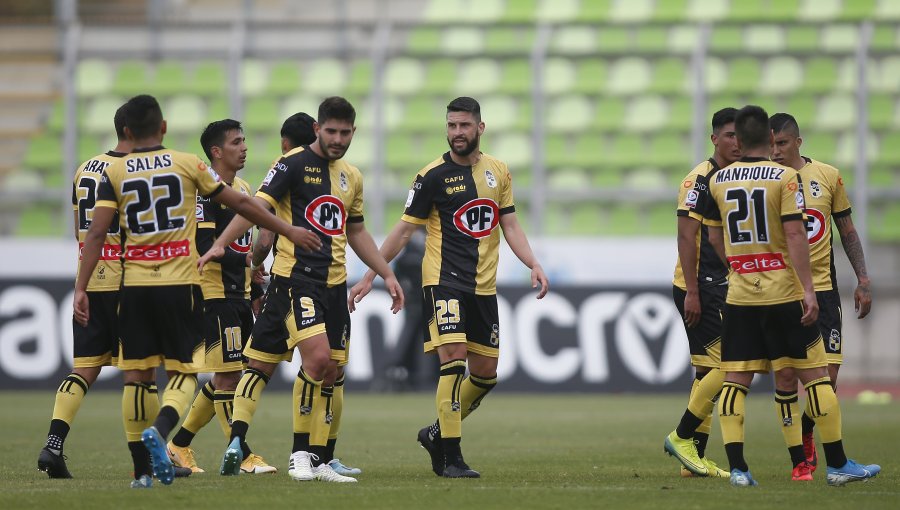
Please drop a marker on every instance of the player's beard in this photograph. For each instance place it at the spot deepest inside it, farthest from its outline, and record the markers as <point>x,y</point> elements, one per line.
<point>468,149</point>
<point>327,150</point>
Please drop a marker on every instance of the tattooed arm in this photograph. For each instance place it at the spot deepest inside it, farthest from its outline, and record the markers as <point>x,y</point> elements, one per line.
<point>862,296</point>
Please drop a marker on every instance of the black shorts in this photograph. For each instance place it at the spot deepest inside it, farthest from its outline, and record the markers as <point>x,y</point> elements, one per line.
<point>760,338</point>
<point>97,344</point>
<point>161,324</point>
<point>830,323</point>
<point>456,316</point>
<point>295,311</point>
<point>705,338</point>
<point>227,327</point>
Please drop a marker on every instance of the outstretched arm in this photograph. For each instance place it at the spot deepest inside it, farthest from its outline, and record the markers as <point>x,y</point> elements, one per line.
<point>862,296</point>
<point>518,242</point>
<point>395,241</point>
<point>364,246</point>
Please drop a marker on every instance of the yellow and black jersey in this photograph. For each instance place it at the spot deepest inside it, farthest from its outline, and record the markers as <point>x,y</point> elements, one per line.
<point>710,270</point>
<point>228,277</point>
<point>460,207</point>
<point>108,273</point>
<point>154,190</point>
<point>826,198</point>
<point>752,198</point>
<point>322,196</point>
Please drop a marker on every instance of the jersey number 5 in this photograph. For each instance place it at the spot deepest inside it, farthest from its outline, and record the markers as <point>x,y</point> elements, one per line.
<point>758,226</point>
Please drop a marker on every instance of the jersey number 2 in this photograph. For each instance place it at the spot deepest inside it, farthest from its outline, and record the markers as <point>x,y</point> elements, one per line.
<point>743,200</point>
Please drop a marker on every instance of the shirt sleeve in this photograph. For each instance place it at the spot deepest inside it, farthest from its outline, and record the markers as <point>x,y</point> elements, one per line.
<point>206,213</point>
<point>106,192</point>
<point>205,178</point>
<point>276,184</point>
<point>419,201</point>
<point>840,203</point>
<point>507,205</point>
<point>355,214</point>
<point>793,202</point>
<point>690,197</point>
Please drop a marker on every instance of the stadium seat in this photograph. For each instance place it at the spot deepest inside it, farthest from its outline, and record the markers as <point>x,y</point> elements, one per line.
<point>477,77</point>
<point>651,39</point>
<point>858,10</point>
<point>57,121</point>
<point>440,77</point>
<point>609,114</point>
<point>186,113</point>
<point>890,141</point>
<point>422,113</point>
<point>89,146</point>
<point>782,10</point>
<point>661,220</point>
<point>631,11</point>
<point>885,38</point>
<point>555,220</point>
<point>361,151</point>
<point>586,220</point>
<point>590,76</point>
<point>820,10</point>
<point>516,77</point>
<point>98,116</point>
<point>670,76</point>
<point>332,68</point>
<point>706,10</point>
<point>520,11</point>
<point>209,79</point>
<point>570,113</point>
<point>297,103</point>
<point>567,179</point>
<point>765,39</point>
<point>284,78</point>
<point>588,151</point>
<point>626,150</point>
<point>218,108</point>
<point>715,75</point>
<point>41,220</point>
<point>613,40</point>
<point>840,38</point>
<point>672,10</point>
<point>424,40</point>
<point>508,40</point>
<point>439,11</point>
<point>45,152</point>
<point>889,75</point>
<point>623,220</point>
<point>93,77</point>
<point>804,108</point>
<point>403,76</point>
<point>848,150</point>
<point>887,227</point>
<point>499,113</point>
<point>880,176</point>
<point>682,39</point>
<point>361,77</point>
<point>743,75</point>
<point>462,41</point>
<point>681,113</point>
<point>170,78</point>
<point>513,148</point>
<point>669,150</point>
<point>627,76</point>
<point>557,11</point>
<point>802,38</point>
<point>881,108</point>
<point>559,75</point>
<point>401,152</point>
<point>727,39</point>
<point>818,145</point>
<point>820,75</point>
<point>646,113</point>
<point>254,77</point>
<point>603,177</point>
<point>131,78</point>
<point>594,11</point>
<point>574,40</point>
<point>887,10</point>
<point>556,151</point>
<point>836,112</point>
<point>781,75</point>
<point>262,114</point>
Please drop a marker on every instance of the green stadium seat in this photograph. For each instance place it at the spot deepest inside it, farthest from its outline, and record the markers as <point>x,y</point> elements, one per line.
<point>516,77</point>
<point>609,114</point>
<point>98,116</point>
<point>820,75</point>
<point>781,75</point>
<point>218,108</point>
<point>613,40</point>
<point>559,75</point>
<point>424,40</point>
<point>727,39</point>
<point>332,68</point>
<point>507,40</point>
<point>209,79</point>
<point>567,179</point>
<point>478,76</point>
<point>585,220</point>
<point>498,111</point>
<point>263,148</point>
<point>186,113</point>
<point>131,78</point>
<point>404,76</point>
<point>887,227</point>
<point>556,151</point>
<point>747,10</point>
<point>858,10</point>
<point>672,10</point>
<point>93,77</point>
<point>651,39</point>
<point>555,220</point>
<point>284,78</point>
<point>626,150</point>
<point>820,10</point>
<point>439,11</point>
<point>803,38</point>
<point>669,150</point>
<point>57,121</point>
<point>881,176</point>
<point>765,39</point>
<point>889,75</point>
<point>45,152</point>
<point>706,10</point>
<point>818,145</point>
<point>254,77</point>
<point>628,76</point>
<point>646,113</point>
<point>569,113</point>
<point>361,77</point>
<point>683,39</point>
<point>743,75</point>
<point>89,146</point>
<point>520,11</point>
<point>624,220</point>
<point>670,76</point>
<point>661,221</point>
<point>440,77</point>
<point>603,177</point>
<point>574,40</point>
<point>836,112</point>
<point>422,113</point>
<point>887,10</point>
<point>263,114</point>
<point>588,151</point>
<point>782,10</point>
<point>594,11</point>
<point>361,151</point>
<point>681,112</point>
<point>513,148</point>
<point>557,11</point>
<point>881,108</point>
<point>401,152</point>
<point>297,103</point>
<point>524,115</point>
<point>631,11</point>
<point>889,153</point>
<point>848,150</point>
<point>840,38</point>
<point>715,75</point>
<point>462,41</point>
<point>41,220</point>
<point>590,76</point>
<point>170,78</point>
<point>885,38</point>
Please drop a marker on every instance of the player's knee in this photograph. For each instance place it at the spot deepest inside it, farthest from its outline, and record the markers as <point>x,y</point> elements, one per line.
<point>226,381</point>
<point>261,366</point>
<point>89,374</point>
<point>786,379</point>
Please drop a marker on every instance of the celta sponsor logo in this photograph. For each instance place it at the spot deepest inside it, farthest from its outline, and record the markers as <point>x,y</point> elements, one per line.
<point>477,218</point>
<point>143,163</point>
<point>161,251</point>
<point>107,251</point>
<point>749,173</point>
<point>815,226</point>
<point>327,215</point>
<point>757,263</point>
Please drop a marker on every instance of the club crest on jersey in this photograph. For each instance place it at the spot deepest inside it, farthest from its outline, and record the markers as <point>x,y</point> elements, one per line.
<point>799,199</point>
<point>199,212</point>
<point>691,199</point>
<point>490,179</point>
<point>477,218</point>
<point>342,181</point>
<point>269,176</point>
<point>815,225</point>
<point>814,189</point>
<point>327,215</point>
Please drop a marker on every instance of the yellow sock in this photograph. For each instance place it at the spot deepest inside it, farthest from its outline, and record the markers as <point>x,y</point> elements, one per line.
<point>448,399</point>
<point>337,408</point>
<point>321,417</point>
<point>731,412</point>
<point>179,392</point>
<point>822,404</point>
<point>138,409</point>
<point>473,391</point>
<point>69,397</point>
<point>789,411</point>
<point>247,395</point>
<point>224,407</point>
<point>703,397</point>
<point>201,410</point>
<point>306,392</point>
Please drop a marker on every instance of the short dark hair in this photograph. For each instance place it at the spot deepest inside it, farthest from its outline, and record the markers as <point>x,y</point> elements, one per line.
<point>298,129</point>
<point>337,108</point>
<point>722,117</point>
<point>214,134</point>
<point>465,104</point>
<point>143,116</point>
<point>119,123</point>
<point>784,123</point>
<point>751,126</point>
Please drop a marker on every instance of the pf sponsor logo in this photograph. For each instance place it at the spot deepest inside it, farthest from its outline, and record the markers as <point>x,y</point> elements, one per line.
<point>815,225</point>
<point>327,215</point>
<point>757,263</point>
<point>244,243</point>
<point>477,218</point>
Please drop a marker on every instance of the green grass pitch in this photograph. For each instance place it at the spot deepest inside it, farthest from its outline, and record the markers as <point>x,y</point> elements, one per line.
<point>534,451</point>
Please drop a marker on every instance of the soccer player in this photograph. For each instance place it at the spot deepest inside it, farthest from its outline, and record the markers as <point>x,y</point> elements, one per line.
<point>298,130</point>
<point>227,315</point>
<point>97,344</point>
<point>154,191</point>
<point>771,307</point>
<point>826,198</point>
<point>314,187</point>
<point>461,198</point>
<point>699,288</point>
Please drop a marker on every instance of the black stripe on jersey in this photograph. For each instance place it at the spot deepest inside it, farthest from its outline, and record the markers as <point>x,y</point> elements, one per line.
<point>792,217</point>
<point>507,210</point>
<point>457,248</point>
<point>355,219</point>
<point>841,214</point>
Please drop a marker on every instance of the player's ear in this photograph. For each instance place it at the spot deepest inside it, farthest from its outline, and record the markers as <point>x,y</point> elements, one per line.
<point>162,127</point>
<point>799,142</point>
<point>129,135</point>
<point>481,128</point>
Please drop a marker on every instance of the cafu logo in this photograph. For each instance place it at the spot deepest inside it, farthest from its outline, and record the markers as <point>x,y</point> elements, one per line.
<point>477,218</point>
